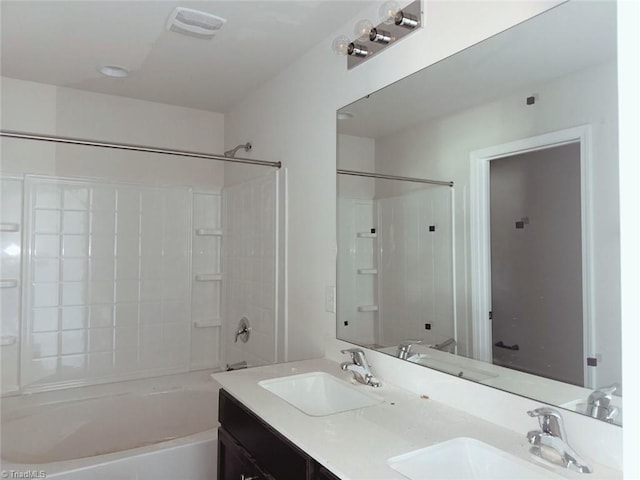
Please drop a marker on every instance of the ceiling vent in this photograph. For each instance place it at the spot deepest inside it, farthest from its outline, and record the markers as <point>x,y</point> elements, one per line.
<point>194,23</point>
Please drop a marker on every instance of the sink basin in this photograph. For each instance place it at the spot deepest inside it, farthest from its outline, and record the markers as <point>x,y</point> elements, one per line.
<point>466,458</point>
<point>318,393</point>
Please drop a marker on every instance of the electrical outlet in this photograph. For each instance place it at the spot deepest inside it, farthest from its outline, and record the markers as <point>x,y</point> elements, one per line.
<point>330,299</point>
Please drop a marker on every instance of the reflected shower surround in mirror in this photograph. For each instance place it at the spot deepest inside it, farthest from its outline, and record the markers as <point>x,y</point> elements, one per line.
<point>450,111</point>
<point>395,260</point>
<point>369,39</point>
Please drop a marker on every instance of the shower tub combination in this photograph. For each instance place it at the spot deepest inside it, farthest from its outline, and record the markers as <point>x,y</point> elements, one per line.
<point>161,428</point>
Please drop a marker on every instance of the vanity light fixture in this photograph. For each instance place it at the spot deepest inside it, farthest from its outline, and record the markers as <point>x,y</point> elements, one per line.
<point>343,46</point>
<point>370,39</point>
<point>365,28</point>
<point>391,13</point>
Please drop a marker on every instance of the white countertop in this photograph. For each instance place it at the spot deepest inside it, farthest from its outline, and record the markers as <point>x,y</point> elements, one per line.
<point>355,445</point>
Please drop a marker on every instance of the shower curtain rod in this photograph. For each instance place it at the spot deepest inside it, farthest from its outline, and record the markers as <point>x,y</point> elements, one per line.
<point>357,173</point>
<point>135,148</point>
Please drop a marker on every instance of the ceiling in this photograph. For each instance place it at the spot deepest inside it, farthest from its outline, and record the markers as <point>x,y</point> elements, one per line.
<point>566,39</point>
<point>64,43</point>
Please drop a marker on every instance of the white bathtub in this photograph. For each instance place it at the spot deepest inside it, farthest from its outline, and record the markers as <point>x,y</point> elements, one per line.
<point>162,428</point>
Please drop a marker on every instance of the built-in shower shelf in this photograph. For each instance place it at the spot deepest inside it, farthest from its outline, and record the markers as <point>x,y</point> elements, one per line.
<point>367,271</point>
<point>209,232</point>
<point>208,277</point>
<point>7,340</point>
<point>367,235</point>
<point>9,227</point>
<point>368,308</point>
<point>216,322</point>
<point>8,283</point>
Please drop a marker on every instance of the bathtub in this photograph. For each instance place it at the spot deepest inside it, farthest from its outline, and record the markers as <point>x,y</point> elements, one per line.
<point>162,428</point>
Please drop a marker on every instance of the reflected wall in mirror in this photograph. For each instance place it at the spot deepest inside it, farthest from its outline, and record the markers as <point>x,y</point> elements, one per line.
<point>422,263</point>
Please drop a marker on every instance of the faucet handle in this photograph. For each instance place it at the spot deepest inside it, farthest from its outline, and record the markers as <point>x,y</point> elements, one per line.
<point>351,350</point>
<point>357,355</point>
<point>550,421</point>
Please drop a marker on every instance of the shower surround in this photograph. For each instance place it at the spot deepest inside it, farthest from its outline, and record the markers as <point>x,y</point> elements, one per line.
<point>123,281</point>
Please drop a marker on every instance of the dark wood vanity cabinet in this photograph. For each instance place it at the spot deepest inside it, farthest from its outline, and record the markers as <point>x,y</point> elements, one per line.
<point>248,448</point>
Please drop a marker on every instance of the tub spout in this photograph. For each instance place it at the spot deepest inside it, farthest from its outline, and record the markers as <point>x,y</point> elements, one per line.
<point>236,366</point>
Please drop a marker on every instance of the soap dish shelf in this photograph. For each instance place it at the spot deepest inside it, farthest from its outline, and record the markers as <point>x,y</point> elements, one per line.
<point>216,232</point>
<point>214,323</point>
<point>9,227</point>
<point>367,271</point>
<point>208,277</point>
<point>368,308</point>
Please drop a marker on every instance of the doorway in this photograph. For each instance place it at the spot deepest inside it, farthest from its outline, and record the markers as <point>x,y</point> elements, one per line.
<point>535,303</point>
<point>536,263</point>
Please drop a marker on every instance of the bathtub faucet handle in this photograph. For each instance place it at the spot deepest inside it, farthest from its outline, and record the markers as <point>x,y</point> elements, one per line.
<point>243,331</point>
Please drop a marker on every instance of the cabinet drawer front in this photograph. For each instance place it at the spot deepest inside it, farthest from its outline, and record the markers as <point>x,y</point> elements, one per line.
<point>274,453</point>
<point>234,463</point>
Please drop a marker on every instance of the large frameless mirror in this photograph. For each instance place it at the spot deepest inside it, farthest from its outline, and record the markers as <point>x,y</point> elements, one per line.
<point>478,219</point>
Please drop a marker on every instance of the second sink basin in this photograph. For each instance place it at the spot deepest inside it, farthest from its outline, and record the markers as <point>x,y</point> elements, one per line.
<point>318,393</point>
<point>465,458</point>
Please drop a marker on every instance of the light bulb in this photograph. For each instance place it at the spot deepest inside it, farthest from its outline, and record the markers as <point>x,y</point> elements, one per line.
<point>363,28</point>
<point>388,11</point>
<point>341,45</point>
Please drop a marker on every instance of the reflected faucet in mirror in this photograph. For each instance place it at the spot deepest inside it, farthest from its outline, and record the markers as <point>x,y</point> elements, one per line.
<point>599,404</point>
<point>405,348</point>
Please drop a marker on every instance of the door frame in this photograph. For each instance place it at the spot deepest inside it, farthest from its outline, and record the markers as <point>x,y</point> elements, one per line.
<point>481,238</point>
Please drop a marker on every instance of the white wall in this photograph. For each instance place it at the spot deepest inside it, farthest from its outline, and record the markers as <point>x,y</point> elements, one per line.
<point>46,109</point>
<point>629,107</point>
<point>440,149</point>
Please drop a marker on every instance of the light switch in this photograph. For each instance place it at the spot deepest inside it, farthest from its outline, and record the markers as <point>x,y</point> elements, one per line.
<point>330,299</point>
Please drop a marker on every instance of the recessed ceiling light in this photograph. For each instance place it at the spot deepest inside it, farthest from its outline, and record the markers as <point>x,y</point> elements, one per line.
<point>114,71</point>
<point>345,115</point>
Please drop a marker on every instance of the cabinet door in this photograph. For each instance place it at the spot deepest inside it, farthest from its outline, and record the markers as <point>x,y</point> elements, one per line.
<point>269,449</point>
<point>324,474</point>
<point>234,463</point>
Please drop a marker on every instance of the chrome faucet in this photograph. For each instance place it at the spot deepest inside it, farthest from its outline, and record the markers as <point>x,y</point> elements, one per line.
<point>405,348</point>
<point>599,404</point>
<point>552,436</point>
<point>360,368</point>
